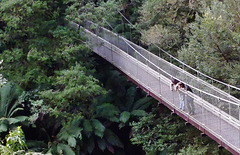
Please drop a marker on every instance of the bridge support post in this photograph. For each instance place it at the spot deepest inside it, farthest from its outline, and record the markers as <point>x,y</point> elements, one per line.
<point>173,112</point>
<point>220,146</point>
<point>203,134</point>
<point>239,136</point>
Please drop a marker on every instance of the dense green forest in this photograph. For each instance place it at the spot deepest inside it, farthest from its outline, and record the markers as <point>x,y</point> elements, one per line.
<point>58,97</point>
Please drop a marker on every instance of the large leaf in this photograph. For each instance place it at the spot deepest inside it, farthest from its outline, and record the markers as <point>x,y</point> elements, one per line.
<point>90,145</point>
<point>34,145</point>
<point>87,126</point>
<point>108,111</point>
<point>8,95</point>
<point>70,132</point>
<point>101,144</point>
<point>142,103</point>
<point>13,110</point>
<point>22,118</point>
<point>13,120</point>
<point>138,113</point>
<point>72,141</point>
<point>124,117</point>
<point>130,95</point>
<point>65,149</point>
<point>113,139</point>
<point>98,128</point>
<point>17,119</point>
<point>3,127</point>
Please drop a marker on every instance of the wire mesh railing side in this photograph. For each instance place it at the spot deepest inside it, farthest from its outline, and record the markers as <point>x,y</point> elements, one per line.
<point>171,71</point>
<point>213,119</point>
<point>207,116</point>
<point>224,86</point>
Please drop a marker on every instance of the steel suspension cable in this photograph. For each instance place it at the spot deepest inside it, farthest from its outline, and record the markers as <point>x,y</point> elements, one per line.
<point>198,72</point>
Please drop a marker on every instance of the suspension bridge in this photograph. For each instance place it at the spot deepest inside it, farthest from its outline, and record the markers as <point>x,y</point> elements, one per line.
<point>216,112</point>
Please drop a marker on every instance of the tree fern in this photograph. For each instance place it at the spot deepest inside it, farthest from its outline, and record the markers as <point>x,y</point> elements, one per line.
<point>9,106</point>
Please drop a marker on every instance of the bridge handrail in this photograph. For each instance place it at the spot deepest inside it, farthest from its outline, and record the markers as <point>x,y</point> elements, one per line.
<point>160,69</point>
<point>201,123</point>
<point>190,75</point>
<point>203,82</point>
<point>219,98</point>
<point>198,72</point>
<point>212,108</point>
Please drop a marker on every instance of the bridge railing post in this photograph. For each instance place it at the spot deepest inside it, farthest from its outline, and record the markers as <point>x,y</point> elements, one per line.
<point>148,64</point>
<point>137,57</point>
<point>173,97</point>
<point>238,137</point>
<point>159,76</point>
<point>239,112</point>
<point>220,120</point>
<point>202,111</point>
<point>127,64</point>
<point>130,27</point>
<point>159,85</point>
<point>112,54</point>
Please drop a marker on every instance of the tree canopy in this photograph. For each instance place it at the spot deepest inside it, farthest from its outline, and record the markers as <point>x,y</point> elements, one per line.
<point>58,97</point>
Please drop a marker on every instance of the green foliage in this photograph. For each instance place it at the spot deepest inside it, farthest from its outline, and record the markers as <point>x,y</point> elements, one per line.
<point>9,96</point>
<point>196,150</point>
<point>124,117</point>
<point>98,128</point>
<point>113,139</point>
<point>163,22</point>
<point>64,149</point>
<point>70,133</point>
<point>10,105</point>
<point>134,107</point>
<point>130,102</point>
<point>99,12</point>
<point>60,148</point>
<point>36,44</point>
<point>73,92</point>
<point>105,138</point>
<point>41,55</point>
<point>156,134</point>
<point>107,111</point>
<point>34,145</point>
<point>74,101</point>
<point>214,45</point>
<point>15,141</point>
<point>73,113</point>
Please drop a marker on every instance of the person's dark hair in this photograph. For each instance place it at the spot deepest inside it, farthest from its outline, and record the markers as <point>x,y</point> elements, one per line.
<point>182,85</point>
<point>175,81</point>
<point>188,88</point>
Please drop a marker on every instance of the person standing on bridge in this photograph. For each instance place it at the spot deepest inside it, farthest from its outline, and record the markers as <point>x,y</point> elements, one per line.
<point>175,85</point>
<point>180,88</point>
<point>190,104</point>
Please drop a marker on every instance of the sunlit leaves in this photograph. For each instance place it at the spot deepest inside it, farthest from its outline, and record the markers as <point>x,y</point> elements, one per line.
<point>15,141</point>
<point>155,134</point>
<point>74,90</point>
<point>99,12</point>
<point>163,22</point>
